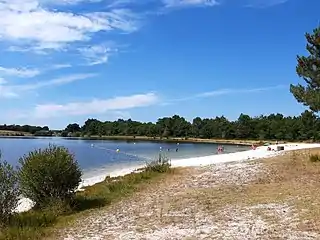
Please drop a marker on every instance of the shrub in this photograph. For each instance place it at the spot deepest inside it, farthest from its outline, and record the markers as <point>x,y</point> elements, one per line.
<point>314,158</point>
<point>161,165</point>
<point>9,194</point>
<point>49,175</point>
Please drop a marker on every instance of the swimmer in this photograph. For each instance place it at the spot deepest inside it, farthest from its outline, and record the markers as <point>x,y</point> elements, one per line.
<point>118,150</point>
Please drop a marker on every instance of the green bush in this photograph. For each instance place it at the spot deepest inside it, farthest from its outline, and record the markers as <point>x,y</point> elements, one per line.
<point>314,158</point>
<point>9,191</point>
<point>49,175</point>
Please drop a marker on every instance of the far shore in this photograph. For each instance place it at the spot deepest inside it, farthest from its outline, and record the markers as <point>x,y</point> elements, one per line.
<point>177,139</point>
<point>243,142</point>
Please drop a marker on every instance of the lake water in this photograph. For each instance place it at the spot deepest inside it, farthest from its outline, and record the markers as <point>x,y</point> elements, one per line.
<point>95,156</point>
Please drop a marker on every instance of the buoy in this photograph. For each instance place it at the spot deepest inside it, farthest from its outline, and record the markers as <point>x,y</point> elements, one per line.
<point>118,150</point>
<point>178,143</point>
<point>91,145</point>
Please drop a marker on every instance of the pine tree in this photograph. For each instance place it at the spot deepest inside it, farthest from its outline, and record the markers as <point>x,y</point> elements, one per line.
<point>309,69</point>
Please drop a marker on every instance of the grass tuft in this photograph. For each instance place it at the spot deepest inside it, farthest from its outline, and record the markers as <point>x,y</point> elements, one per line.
<point>314,157</point>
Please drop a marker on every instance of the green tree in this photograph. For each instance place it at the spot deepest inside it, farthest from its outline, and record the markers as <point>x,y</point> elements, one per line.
<point>9,191</point>
<point>264,127</point>
<point>74,127</point>
<point>308,68</point>
<point>49,175</point>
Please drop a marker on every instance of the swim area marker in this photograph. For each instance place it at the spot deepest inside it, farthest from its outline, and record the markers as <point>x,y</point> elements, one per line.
<point>119,152</point>
<point>127,154</point>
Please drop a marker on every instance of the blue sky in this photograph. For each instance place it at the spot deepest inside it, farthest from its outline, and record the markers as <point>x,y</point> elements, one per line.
<point>65,61</point>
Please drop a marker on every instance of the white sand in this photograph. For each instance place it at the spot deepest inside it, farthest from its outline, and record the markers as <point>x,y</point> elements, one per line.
<point>260,152</point>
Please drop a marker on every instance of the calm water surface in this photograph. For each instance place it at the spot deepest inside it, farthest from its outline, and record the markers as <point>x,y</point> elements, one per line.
<point>101,155</point>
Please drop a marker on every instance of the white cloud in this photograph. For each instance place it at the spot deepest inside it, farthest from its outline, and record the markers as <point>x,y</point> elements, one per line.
<point>68,2</point>
<point>19,72</point>
<point>96,106</point>
<point>60,66</point>
<point>121,19</point>
<point>2,81</point>
<point>221,92</point>
<point>265,3</point>
<point>4,92</point>
<point>183,3</point>
<point>28,23</point>
<point>29,73</point>
<point>237,91</point>
<point>54,82</point>
<point>117,3</point>
<point>9,91</point>
<point>97,54</point>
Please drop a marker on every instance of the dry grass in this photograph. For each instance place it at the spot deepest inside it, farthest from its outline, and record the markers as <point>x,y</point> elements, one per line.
<point>274,198</point>
<point>290,181</point>
<point>294,178</point>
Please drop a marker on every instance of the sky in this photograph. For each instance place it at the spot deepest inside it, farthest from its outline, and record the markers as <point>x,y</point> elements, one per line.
<point>64,61</point>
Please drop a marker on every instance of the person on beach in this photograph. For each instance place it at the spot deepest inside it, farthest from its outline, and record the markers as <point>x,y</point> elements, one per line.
<point>220,149</point>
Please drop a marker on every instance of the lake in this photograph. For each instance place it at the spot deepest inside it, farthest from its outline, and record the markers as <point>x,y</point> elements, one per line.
<point>95,156</point>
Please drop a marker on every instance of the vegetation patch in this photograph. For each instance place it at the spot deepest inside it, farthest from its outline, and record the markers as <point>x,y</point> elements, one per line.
<point>57,205</point>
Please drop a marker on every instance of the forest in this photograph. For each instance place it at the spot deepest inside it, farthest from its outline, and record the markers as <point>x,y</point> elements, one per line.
<point>271,127</point>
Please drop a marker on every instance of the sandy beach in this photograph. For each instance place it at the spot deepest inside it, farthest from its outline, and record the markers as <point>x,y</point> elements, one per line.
<point>258,153</point>
<point>219,197</point>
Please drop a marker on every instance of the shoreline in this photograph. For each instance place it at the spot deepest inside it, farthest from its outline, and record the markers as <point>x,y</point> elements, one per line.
<point>242,142</point>
<point>259,153</point>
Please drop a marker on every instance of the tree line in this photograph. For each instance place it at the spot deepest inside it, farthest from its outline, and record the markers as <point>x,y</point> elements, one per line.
<point>271,127</point>
<point>21,129</point>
